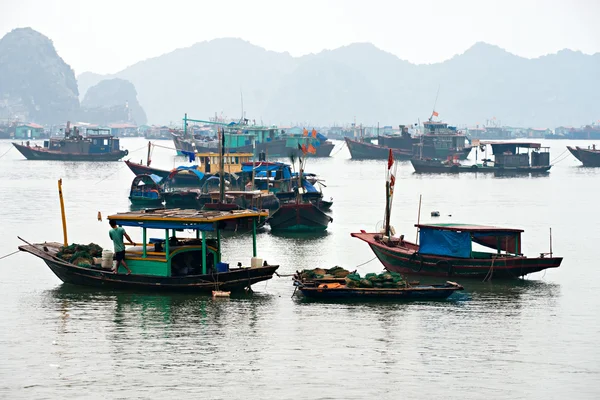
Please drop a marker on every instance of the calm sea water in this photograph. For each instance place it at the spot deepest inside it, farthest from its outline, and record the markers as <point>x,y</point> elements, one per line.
<point>528,339</point>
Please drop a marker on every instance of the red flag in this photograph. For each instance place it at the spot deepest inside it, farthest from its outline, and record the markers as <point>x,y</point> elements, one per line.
<point>305,132</point>
<point>390,160</point>
<point>314,133</point>
<point>435,114</point>
<point>304,150</point>
<point>392,181</point>
<point>312,149</point>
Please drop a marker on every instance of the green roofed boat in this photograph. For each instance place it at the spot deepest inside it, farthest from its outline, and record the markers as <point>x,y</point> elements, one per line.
<point>166,262</point>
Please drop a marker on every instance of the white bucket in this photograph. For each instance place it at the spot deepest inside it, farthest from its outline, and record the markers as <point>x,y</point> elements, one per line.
<point>256,262</point>
<point>107,259</point>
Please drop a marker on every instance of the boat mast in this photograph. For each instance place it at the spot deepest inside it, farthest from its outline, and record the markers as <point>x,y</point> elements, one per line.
<point>221,167</point>
<point>148,156</point>
<point>387,208</point>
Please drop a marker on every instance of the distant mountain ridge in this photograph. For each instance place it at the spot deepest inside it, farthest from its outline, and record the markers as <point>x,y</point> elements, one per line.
<point>362,81</point>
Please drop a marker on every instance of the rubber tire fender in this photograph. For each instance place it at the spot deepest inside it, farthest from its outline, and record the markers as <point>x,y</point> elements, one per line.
<point>413,257</point>
<point>449,268</point>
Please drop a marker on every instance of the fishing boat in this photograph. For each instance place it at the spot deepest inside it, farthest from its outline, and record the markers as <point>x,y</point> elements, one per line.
<point>589,157</point>
<point>166,263</point>
<point>507,160</point>
<point>299,214</point>
<point>207,162</point>
<point>440,140</point>
<point>364,148</point>
<point>97,145</point>
<point>244,137</point>
<point>447,249</point>
<point>146,190</point>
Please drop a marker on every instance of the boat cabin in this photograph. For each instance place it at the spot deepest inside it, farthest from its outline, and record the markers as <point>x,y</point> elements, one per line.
<point>456,240</point>
<point>209,162</point>
<point>146,189</point>
<point>96,141</point>
<point>164,252</point>
<point>519,154</point>
<point>272,176</point>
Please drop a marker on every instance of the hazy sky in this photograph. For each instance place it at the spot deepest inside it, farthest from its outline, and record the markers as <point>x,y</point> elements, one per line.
<point>107,36</point>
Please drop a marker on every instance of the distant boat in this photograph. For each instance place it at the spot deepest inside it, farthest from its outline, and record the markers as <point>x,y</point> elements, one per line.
<point>589,157</point>
<point>507,160</point>
<point>362,148</point>
<point>243,137</point>
<point>97,145</point>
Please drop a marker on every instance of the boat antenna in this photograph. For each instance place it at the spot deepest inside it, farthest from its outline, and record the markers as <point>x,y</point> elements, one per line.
<point>242,100</point>
<point>550,242</point>
<point>435,102</point>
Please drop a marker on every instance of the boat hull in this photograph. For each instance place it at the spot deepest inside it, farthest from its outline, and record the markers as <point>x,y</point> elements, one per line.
<point>366,151</point>
<point>140,169</point>
<point>407,260</point>
<point>32,153</point>
<point>235,280</point>
<point>275,148</point>
<point>436,166</point>
<point>421,292</point>
<point>299,217</point>
<point>588,157</point>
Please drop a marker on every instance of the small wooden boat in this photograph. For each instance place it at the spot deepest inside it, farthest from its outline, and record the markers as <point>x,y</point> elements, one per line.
<point>169,263</point>
<point>146,191</point>
<point>420,292</point>
<point>97,145</point>
<point>588,157</point>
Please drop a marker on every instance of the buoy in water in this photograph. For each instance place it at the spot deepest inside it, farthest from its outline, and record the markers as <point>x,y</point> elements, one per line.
<point>435,213</point>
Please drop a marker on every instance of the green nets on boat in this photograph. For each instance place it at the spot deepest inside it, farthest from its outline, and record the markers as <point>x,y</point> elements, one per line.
<point>80,254</point>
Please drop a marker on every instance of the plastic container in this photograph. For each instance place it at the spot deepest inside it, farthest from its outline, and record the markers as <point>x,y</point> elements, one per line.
<point>256,262</point>
<point>107,259</point>
<point>222,267</point>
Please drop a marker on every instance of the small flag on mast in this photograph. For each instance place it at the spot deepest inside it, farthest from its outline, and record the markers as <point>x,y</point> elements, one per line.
<point>436,114</point>
<point>305,132</point>
<point>390,159</point>
<point>312,149</point>
<point>314,133</point>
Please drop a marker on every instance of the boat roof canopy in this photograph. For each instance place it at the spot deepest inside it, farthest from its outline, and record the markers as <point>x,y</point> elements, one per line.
<point>455,240</point>
<point>181,218</point>
<point>469,228</point>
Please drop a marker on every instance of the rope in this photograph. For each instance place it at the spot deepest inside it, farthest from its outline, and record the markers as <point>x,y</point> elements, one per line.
<point>366,262</point>
<point>8,255</point>
<point>9,149</point>
<point>562,159</point>
<point>490,272</point>
<point>338,150</point>
<point>164,147</point>
<point>560,155</point>
<point>288,275</point>
<point>118,169</point>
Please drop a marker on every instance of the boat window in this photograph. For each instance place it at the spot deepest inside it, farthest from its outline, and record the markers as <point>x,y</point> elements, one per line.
<point>95,141</point>
<point>237,160</point>
<point>106,142</point>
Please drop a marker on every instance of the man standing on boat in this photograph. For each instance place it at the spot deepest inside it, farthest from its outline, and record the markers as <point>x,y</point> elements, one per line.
<point>116,234</point>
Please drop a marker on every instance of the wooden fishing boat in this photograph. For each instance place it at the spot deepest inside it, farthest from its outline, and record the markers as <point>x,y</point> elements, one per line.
<point>362,150</point>
<point>169,263</point>
<point>589,157</point>
<point>299,216</point>
<point>447,249</point>
<point>411,293</point>
<point>440,140</point>
<point>507,160</point>
<point>97,145</point>
<point>244,137</point>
